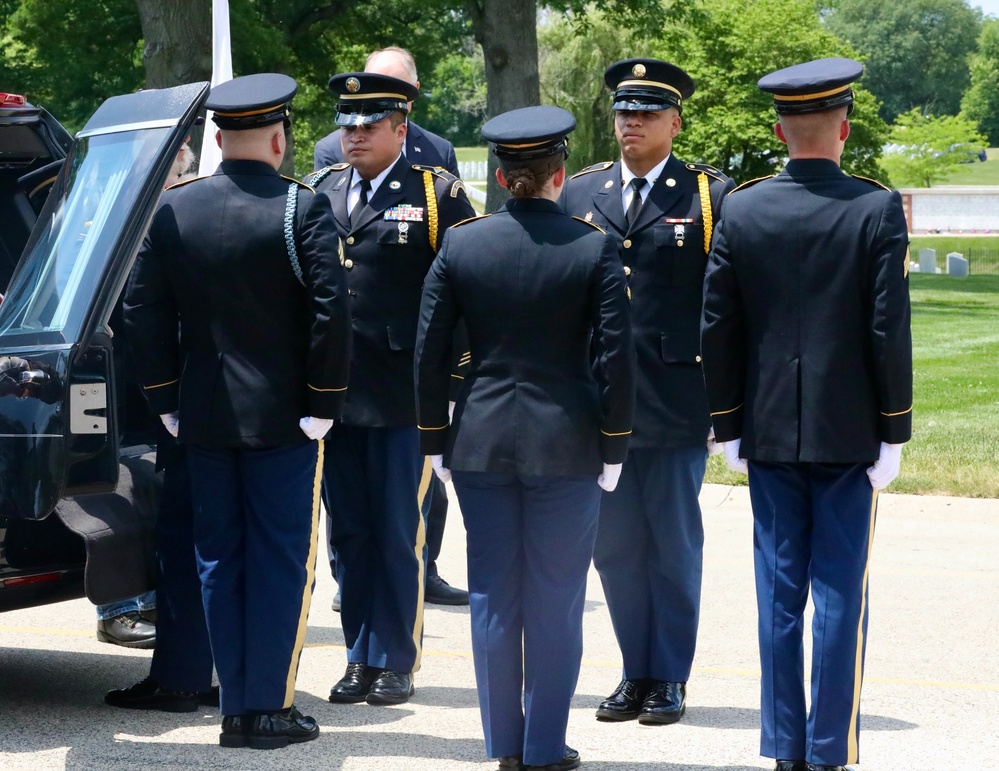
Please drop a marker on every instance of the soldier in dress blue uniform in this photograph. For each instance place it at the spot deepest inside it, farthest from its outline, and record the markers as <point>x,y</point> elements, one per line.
<point>808,363</point>
<point>246,266</point>
<point>392,215</point>
<point>426,148</point>
<point>650,540</point>
<point>535,432</point>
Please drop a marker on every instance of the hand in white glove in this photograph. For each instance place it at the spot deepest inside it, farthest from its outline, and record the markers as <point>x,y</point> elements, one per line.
<point>886,467</point>
<point>737,464</point>
<point>315,428</point>
<point>714,448</point>
<point>172,422</point>
<point>443,474</point>
<point>609,478</point>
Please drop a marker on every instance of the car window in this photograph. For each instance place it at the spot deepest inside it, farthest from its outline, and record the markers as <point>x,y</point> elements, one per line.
<point>49,296</point>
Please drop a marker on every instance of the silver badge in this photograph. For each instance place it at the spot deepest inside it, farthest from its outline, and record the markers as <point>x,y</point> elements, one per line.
<point>403,232</point>
<point>679,231</point>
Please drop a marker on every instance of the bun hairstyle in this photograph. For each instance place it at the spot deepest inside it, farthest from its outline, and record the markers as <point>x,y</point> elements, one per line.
<point>525,179</point>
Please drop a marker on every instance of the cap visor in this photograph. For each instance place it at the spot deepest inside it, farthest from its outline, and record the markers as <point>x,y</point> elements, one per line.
<point>630,104</point>
<point>360,118</point>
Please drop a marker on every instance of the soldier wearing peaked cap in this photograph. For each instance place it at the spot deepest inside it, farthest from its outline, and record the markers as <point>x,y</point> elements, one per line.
<point>535,432</point>
<point>808,364</point>
<point>649,542</point>
<point>392,215</point>
<point>238,312</point>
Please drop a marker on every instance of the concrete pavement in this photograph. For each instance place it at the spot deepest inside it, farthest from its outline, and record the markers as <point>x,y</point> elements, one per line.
<point>931,696</point>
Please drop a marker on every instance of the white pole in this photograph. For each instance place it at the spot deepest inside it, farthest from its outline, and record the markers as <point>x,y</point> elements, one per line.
<point>211,155</point>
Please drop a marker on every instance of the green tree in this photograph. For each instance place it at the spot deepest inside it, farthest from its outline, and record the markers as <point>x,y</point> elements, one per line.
<point>726,47</point>
<point>925,148</point>
<point>916,51</point>
<point>981,100</point>
<point>456,104</point>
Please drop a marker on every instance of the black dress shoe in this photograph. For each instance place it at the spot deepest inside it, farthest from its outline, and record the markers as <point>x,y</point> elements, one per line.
<point>235,731</point>
<point>511,763</point>
<point>440,592</point>
<point>791,765</point>
<point>814,767</point>
<point>354,685</point>
<point>209,698</point>
<point>391,688</point>
<point>130,630</point>
<point>147,694</point>
<point>569,761</point>
<point>626,701</point>
<point>279,729</point>
<point>665,703</point>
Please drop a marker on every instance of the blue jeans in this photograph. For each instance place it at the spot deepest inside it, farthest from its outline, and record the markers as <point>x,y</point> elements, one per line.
<point>143,602</point>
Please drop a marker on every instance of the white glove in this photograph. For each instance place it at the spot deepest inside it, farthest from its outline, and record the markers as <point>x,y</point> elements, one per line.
<point>737,464</point>
<point>315,428</point>
<point>443,474</point>
<point>714,448</point>
<point>886,467</point>
<point>172,422</point>
<point>610,476</point>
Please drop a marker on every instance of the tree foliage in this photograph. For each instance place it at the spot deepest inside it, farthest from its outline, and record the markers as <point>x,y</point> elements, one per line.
<point>924,149</point>
<point>981,100</point>
<point>726,47</point>
<point>916,51</point>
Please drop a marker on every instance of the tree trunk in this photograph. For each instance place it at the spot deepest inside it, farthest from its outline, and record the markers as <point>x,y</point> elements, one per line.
<point>178,41</point>
<point>507,32</point>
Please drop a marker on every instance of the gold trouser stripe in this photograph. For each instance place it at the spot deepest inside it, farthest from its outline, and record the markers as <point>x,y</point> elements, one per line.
<point>421,540</point>
<point>852,743</point>
<point>310,579</point>
<point>704,188</point>
<point>432,218</point>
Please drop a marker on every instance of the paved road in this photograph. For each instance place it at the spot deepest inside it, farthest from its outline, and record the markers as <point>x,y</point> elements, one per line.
<point>931,698</point>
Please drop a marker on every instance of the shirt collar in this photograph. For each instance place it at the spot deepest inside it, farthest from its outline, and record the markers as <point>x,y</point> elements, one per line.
<point>355,179</point>
<point>627,174</point>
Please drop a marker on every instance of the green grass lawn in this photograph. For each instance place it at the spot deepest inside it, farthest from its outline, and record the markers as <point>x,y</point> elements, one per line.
<point>976,173</point>
<point>470,154</point>
<point>955,447</point>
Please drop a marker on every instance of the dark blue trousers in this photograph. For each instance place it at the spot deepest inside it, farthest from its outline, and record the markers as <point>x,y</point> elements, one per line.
<point>182,660</point>
<point>256,519</point>
<point>648,553</point>
<point>375,479</point>
<point>530,541</point>
<point>814,526</point>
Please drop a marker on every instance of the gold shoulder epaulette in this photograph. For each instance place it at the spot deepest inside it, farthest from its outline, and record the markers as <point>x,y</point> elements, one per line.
<point>437,171</point>
<point>591,224</point>
<point>711,171</point>
<point>298,182</point>
<point>872,181</point>
<point>750,183</point>
<point>470,219</point>
<point>185,182</point>
<point>595,167</point>
<point>339,166</point>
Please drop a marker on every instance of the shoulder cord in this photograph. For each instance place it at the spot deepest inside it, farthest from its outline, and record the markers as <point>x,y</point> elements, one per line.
<point>291,206</point>
<point>428,184</point>
<point>706,215</point>
<point>320,175</point>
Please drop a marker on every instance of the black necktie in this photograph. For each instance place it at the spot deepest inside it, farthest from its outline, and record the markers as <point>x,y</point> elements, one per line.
<point>636,200</point>
<point>362,201</point>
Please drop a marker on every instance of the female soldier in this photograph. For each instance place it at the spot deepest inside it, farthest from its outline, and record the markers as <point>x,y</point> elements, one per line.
<point>543,297</point>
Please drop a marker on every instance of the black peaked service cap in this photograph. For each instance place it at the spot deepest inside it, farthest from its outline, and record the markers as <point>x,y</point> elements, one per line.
<point>648,85</point>
<point>251,101</point>
<point>814,86</point>
<point>530,133</point>
<point>368,97</point>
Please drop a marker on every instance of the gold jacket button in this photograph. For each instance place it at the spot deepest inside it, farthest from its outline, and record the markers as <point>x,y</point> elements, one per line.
<point>697,359</point>
<point>350,240</point>
<point>348,264</point>
<point>679,242</point>
<point>627,243</point>
<point>627,270</point>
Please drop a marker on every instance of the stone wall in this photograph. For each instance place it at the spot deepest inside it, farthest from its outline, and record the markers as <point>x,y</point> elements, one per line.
<point>952,209</point>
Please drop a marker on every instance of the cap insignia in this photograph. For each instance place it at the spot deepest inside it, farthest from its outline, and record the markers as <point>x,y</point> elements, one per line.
<point>353,85</point>
<point>638,70</point>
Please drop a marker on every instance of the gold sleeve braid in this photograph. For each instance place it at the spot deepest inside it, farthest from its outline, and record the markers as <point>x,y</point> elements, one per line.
<point>432,218</point>
<point>706,216</point>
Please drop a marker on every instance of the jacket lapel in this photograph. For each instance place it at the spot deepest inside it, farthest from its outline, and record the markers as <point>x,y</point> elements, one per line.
<point>338,199</point>
<point>607,200</point>
<point>662,196</point>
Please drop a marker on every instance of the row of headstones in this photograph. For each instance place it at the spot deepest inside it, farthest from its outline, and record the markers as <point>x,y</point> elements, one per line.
<point>473,170</point>
<point>957,265</point>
